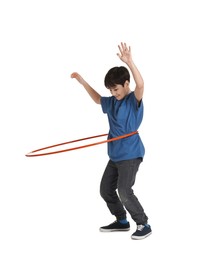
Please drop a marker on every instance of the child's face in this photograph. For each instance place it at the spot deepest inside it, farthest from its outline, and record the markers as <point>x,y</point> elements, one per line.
<point>119,92</point>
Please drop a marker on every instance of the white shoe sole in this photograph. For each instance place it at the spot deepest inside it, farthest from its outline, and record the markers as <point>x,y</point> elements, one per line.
<point>140,237</point>
<point>113,230</point>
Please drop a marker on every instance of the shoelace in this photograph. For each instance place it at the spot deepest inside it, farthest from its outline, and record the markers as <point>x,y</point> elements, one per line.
<point>140,227</point>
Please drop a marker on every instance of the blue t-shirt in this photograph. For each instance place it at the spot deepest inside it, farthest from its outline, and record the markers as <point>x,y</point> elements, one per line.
<point>124,116</point>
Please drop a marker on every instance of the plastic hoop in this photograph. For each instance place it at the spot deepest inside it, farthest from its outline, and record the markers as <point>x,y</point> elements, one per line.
<point>33,153</point>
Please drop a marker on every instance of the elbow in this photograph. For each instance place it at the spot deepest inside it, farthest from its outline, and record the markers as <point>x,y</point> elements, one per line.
<point>141,84</point>
<point>98,100</point>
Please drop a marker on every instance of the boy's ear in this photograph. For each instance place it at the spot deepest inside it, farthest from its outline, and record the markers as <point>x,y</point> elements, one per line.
<point>126,83</point>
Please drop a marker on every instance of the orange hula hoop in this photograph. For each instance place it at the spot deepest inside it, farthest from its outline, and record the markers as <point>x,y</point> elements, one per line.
<point>32,153</point>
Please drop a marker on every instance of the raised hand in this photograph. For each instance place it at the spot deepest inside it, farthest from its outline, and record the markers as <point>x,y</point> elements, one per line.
<point>78,77</point>
<point>125,53</point>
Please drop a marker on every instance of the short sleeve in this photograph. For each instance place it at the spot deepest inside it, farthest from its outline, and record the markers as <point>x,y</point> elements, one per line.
<point>105,104</point>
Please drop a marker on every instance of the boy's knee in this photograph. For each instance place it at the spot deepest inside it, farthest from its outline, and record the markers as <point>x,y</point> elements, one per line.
<point>102,192</point>
<point>123,195</point>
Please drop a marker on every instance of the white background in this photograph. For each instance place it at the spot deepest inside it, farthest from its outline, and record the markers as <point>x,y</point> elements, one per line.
<point>50,207</point>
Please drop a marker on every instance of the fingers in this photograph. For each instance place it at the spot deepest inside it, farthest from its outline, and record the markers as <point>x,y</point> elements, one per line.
<point>123,48</point>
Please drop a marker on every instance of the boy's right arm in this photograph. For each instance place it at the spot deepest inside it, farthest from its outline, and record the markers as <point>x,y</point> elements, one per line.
<point>93,94</point>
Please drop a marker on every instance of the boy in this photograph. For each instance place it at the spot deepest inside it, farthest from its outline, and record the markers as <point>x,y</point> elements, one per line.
<point>125,111</point>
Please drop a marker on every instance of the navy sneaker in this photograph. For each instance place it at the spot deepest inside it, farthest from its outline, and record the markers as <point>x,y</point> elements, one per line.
<point>115,226</point>
<point>142,232</point>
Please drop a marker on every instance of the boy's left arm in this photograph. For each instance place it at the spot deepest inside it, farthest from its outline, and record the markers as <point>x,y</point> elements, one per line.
<point>139,89</point>
<point>125,56</point>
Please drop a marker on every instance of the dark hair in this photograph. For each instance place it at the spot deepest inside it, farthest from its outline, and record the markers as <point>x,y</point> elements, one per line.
<point>116,76</point>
